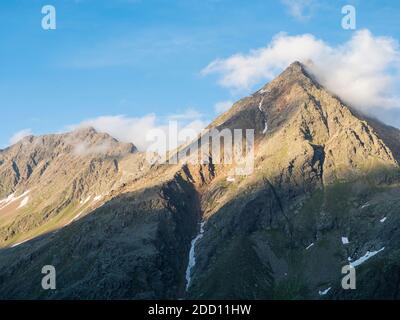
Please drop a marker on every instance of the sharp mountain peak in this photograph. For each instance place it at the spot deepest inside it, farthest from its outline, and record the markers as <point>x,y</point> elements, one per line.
<point>315,175</point>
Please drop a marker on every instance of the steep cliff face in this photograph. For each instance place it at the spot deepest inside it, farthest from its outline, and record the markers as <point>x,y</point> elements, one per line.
<point>323,193</point>
<point>113,225</point>
<point>132,247</point>
<point>321,173</point>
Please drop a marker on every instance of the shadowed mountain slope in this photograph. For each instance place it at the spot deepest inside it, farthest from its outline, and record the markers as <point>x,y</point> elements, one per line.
<point>324,192</point>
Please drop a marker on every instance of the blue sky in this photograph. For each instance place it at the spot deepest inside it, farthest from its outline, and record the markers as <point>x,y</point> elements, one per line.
<point>135,57</point>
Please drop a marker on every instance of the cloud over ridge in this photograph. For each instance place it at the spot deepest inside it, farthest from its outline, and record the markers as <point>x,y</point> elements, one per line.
<point>364,71</point>
<point>136,129</point>
<point>18,136</point>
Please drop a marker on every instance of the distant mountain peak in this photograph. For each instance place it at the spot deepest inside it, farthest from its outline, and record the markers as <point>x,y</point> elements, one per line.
<point>321,172</point>
<point>88,137</point>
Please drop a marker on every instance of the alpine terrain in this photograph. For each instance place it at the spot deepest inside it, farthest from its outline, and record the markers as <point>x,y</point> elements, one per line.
<point>325,193</point>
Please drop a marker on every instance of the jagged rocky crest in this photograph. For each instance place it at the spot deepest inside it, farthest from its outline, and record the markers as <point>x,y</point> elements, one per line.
<point>116,227</point>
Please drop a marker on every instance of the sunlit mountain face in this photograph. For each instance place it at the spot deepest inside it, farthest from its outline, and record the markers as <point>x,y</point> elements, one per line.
<point>174,152</point>
<point>322,195</point>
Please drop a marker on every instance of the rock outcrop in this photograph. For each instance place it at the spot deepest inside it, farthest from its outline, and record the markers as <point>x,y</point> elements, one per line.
<point>323,172</point>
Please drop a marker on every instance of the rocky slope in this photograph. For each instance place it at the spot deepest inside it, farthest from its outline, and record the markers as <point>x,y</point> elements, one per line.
<point>325,191</point>
<point>48,181</point>
<point>322,172</point>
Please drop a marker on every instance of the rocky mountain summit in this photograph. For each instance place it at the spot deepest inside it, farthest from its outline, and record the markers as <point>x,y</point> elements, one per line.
<point>48,181</point>
<point>324,193</point>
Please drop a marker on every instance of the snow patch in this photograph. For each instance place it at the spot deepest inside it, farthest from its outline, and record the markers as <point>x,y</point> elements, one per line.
<point>8,199</point>
<point>345,240</point>
<point>86,200</point>
<point>324,292</point>
<point>265,128</point>
<point>97,198</point>
<point>19,243</point>
<point>192,255</point>
<point>76,217</point>
<point>12,198</point>
<point>260,105</point>
<point>365,205</point>
<point>24,202</point>
<point>365,257</point>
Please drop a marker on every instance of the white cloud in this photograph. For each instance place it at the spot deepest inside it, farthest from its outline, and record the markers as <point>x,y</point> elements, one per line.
<point>222,106</point>
<point>135,130</point>
<point>364,71</point>
<point>299,9</point>
<point>20,135</point>
<point>84,148</point>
